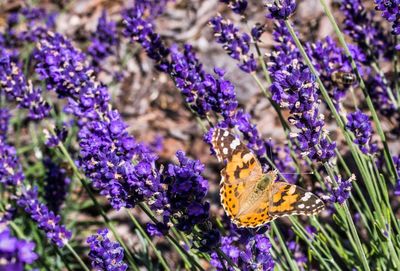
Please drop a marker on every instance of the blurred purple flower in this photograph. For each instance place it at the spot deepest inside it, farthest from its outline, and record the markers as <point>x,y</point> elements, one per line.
<point>45,219</point>
<point>391,12</point>
<point>256,31</point>
<point>368,34</point>
<point>105,254</point>
<point>280,9</point>
<point>328,58</point>
<point>237,45</point>
<point>396,161</point>
<point>18,89</point>
<point>360,125</point>
<point>103,41</point>
<point>56,185</point>
<point>237,6</point>
<point>60,136</point>
<point>15,252</point>
<point>141,30</point>
<point>11,173</point>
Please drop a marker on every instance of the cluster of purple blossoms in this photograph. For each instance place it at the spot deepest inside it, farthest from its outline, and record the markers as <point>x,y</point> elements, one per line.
<point>105,254</point>
<point>141,31</point>
<point>237,6</point>
<point>328,58</point>
<point>341,191</point>
<point>284,51</point>
<point>14,252</point>
<point>360,125</point>
<point>295,88</point>
<point>391,12</point>
<point>15,87</point>
<point>368,34</point>
<point>104,40</point>
<point>11,173</point>
<point>203,91</point>
<point>280,9</point>
<point>255,255</point>
<point>56,185</point>
<point>107,150</point>
<point>45,219</point>
<point>237,45</point>
<point>186,192</point>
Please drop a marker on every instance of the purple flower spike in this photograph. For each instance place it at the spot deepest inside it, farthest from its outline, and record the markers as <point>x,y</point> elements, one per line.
<point>280,9</point>
<point>18,89</point>
<point>104,40</point>
<point>360,125</point>
<point>368,34</point>
<point>15,253</point>
<point>237,6</point>
<point>391,12</point>
<point>341,192</point>
<point>104,254</point>
<point>254,254</point>
<point>236,45</point>
<point>46,219</point>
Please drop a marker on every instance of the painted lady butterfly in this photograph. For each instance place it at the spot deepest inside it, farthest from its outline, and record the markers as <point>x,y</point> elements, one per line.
<point>250,197</point>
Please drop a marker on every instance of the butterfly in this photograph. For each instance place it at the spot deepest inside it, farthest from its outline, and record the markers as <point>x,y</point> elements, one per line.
<point>251,198</point>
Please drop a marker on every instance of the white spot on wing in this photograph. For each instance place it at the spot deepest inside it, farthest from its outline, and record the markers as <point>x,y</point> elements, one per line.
<point>301,206</point>
<point>247,157</point>
<point>225,151</point>
<point>306,196</point>
<point>226,133</point>
<point>235,143</point>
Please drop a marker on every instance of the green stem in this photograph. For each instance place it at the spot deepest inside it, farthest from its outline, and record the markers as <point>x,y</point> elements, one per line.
<point>353,229</point>
<point>144,234</point>
<point>148,212</point>
<point>76,256</point>
<point>293,266</point>
<point>388,157</point>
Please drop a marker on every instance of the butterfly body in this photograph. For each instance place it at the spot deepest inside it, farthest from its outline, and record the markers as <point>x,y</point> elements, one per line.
<point>250,197</point>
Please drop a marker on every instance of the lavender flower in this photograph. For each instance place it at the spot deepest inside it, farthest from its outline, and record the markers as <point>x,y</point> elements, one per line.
<point>237,45</point>
<point>14,252</point>
<point>16,87</point>
<point>107,150</point>
<point>364,31</point>
<point>280,9</point>
<point>285,51</point>
<point>328,58</point>
<point>295,88</point>
<point>360,125</point>
<point>237,6</point>
<point>341,191</point>
<point>186,192</point>
<point>204,92</point>
<point>56,185</point>
<point>64,70</point>
<point>141,31</point>
<point>254,255</point>
<point>104,254</point>
<point>391,12</point>
<point>11,173</point>
<point>45,219</point>
<point>104,40</point>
